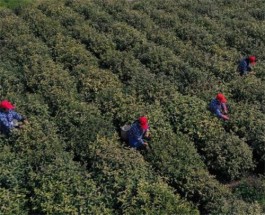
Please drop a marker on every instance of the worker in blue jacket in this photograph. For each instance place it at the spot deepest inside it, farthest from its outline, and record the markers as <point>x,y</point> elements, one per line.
<point>245,65</point>
<point>218,106</point>
<point>7,117</point>
<point>137,132</point>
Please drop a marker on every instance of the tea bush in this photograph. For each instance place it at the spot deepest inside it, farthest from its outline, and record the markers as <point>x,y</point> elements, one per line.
<point>251,189</point>
<point>123,174</point>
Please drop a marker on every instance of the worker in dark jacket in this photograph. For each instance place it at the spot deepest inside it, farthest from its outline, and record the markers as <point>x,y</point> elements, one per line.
<point>137,132</point>
<point>245,65</point>
<point>7,117</point>
<point>218,106</point>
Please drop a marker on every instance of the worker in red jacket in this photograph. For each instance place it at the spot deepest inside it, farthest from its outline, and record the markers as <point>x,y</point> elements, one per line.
<point>218,106</point>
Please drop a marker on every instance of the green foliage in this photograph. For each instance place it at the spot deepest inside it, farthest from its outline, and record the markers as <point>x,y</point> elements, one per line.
<point>129,183</point>
<point>80,69</point>
<point>252,190</point>
<point>74,124</point>
<point>175,156</point>
<point>61,188</point>
<point>10,81</point>
<point>225,154</point>
<point>12,201</point>
<point>49,145</point>
<point>228,156</point>
<point>242,90</point>
<point>158,59</point>
<point>248,123</point>
<point>13,170</point>
<point>14,3</point>
<point>12,181</point>
<point>155,198</point>
<point>126,37</point>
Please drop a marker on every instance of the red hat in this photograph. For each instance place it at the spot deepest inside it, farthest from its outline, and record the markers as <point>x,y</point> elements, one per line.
<point>252,59</point>
<point>6,105</point>
<point>221,98</point>
<point>143,122</point>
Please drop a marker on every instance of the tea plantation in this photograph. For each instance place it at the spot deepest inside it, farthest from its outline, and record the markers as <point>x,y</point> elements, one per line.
<point>80,69</point>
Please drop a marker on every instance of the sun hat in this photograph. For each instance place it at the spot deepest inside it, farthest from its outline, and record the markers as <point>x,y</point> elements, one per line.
<point>6,105</point>
<point>143,122</point>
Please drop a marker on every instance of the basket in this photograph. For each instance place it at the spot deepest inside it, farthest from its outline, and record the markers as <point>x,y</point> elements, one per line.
<point>124,132</point>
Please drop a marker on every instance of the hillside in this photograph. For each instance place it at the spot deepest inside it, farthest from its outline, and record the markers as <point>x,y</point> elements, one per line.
<point>80,69</point>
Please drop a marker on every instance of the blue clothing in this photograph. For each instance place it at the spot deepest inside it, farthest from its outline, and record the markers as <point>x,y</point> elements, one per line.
<point>244,66</point>
<point>6,120</point>
<point>217,107</point>
<point>135,135</point>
